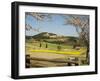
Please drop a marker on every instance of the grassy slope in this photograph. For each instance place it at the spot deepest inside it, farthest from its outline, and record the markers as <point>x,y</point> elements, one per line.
<point>52,48</point>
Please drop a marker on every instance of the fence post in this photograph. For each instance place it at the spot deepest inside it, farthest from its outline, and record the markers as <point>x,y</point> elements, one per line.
<point>69,64</point>
<point>27,59</point>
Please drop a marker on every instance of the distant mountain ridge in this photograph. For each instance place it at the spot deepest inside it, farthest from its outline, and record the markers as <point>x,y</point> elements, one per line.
<point>53,38</point>
<point>46,35</point>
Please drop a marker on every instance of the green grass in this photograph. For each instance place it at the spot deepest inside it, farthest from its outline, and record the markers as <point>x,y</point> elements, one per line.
<point>52,48</point>
<point>60,52</point>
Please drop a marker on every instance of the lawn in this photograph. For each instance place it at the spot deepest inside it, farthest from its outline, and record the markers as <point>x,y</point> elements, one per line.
<point>52,48</point>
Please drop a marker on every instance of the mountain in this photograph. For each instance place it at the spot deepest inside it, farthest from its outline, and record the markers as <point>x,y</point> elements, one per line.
<point>53,38</point>
<point>45,35</point>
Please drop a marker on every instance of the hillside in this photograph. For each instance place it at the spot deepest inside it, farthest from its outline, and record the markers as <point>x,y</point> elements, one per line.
<point>53,38</point>
<point>44,35</point>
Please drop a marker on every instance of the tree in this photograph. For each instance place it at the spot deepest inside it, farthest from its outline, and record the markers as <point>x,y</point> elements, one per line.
<point>46,45</point>
<point>81,23</point>
<point>38,17</point>
<point>73,40</point>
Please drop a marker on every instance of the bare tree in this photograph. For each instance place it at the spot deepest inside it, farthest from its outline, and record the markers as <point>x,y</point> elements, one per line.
<point>28,27</point>
<point>81,23</point>
<point>39,17</point>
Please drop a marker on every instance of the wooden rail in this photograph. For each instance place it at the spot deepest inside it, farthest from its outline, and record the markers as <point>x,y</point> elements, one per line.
<point>68,62</point>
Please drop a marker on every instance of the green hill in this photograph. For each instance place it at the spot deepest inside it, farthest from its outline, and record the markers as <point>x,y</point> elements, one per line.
<point>53,38</point>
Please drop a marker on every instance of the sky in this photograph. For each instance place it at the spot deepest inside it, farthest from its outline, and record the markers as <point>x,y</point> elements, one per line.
<point>54,25</point>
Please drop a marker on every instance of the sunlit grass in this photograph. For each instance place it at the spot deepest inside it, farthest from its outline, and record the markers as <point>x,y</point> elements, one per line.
<point>52,48</point>
<point>75,52</point>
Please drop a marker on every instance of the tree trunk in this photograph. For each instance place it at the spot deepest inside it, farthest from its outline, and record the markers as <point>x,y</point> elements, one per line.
<point>87,56</point>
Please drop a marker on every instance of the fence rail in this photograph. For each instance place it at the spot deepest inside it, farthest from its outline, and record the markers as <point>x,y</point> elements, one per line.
<point>65,62</point>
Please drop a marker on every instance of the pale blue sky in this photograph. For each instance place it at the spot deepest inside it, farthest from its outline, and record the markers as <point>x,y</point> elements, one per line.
<point>54,25</point>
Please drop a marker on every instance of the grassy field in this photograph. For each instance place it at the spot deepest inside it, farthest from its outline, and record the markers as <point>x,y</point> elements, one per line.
<point>46,54</point>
